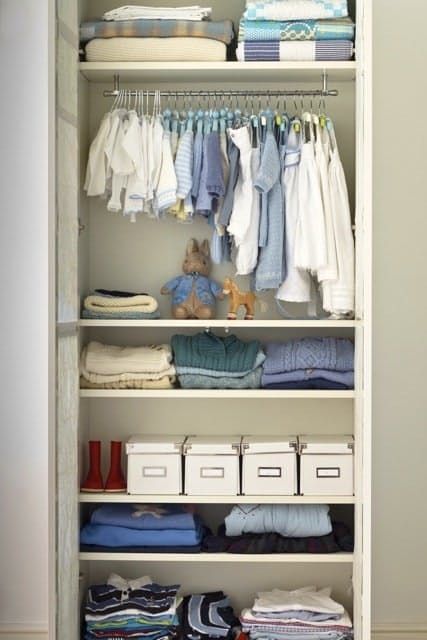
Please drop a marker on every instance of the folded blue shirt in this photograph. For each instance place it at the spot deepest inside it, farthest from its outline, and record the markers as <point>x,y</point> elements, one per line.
<point>145,517</point>
<point>343,377</point>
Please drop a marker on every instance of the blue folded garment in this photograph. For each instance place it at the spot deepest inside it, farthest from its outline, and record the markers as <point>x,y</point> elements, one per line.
<point>334,354</point>
<point>290,521</point>
<point>145,517</point>
<point>314,383</point>
<point>110,536</point>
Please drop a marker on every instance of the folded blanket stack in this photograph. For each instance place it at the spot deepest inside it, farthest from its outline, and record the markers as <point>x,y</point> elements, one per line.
<point>309,363</point>
<point>104,304</point>
<point>295,30</point>
<point>294,615</point>
<point>143,34</point>
<point>206,361</point>
<point>131,609</point>
<point>164,528</point>
<point>104,366</point>
<point>207,616</point>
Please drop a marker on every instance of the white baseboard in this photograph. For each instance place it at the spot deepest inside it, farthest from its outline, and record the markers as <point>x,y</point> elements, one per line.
<point>399,631</point>
<point>19,631</point>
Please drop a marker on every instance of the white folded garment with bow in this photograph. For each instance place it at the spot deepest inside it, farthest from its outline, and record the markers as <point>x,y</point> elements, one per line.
<point>195,13</point>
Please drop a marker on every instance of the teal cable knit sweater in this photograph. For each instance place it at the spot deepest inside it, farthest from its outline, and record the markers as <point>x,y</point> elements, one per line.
<point>208,351</point>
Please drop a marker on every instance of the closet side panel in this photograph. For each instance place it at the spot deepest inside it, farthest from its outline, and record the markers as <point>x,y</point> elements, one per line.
<point>67,392</point>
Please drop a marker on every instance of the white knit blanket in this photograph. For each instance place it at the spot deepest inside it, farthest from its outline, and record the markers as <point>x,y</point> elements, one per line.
<point>163,383</point>
<point>103,363</point>
<point>155,50</point>
<point>132,12</point>
<point>106,304</point>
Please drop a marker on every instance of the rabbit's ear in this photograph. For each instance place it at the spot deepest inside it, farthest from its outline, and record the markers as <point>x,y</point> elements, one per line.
<point>192,246</point>
<point>205,248</point>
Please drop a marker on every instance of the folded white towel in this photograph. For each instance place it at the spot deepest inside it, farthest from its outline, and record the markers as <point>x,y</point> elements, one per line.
<point>195,13</point>
<point>107,304</point>
<point>110,360</point>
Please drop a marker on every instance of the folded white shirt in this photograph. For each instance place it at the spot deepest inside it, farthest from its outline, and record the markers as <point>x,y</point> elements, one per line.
<point>195,13</point>
<point>306,599</point>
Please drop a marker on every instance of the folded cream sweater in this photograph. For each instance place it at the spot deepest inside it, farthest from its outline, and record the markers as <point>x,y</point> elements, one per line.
<point>106,304</point>
<point>109,363</point>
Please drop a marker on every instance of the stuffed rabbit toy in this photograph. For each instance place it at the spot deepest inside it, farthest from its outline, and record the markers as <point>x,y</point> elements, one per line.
<point>194,294</point>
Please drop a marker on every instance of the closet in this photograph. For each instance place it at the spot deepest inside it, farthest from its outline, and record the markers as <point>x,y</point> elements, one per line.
<point>96,248</point>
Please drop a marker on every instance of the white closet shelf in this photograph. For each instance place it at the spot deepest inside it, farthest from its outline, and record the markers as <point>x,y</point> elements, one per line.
<point>265,394</point>
<point>125,498</point>
<point>159,72</point>
<point>223,324</point>
<point>332,558</point>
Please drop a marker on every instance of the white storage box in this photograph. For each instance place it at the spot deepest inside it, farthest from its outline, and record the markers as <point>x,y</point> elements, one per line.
<point>212,465</point>
<point>155,464</point>
<point>269,466</point>
<point>326,465</point>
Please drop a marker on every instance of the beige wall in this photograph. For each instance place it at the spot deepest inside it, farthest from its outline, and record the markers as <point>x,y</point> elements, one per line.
<point>400,311</point>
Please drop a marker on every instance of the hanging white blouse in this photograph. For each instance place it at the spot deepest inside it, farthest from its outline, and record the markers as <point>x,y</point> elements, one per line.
<point>310,239</point>
<point>339,293</point>
<point>244,190</point>
<point>96,172</point>
<point>247,251</point>
<point>322,149</point>
<point>297,285</point>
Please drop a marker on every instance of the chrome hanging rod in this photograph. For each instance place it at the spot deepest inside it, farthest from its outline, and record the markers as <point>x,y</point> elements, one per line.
<point>323,92</point>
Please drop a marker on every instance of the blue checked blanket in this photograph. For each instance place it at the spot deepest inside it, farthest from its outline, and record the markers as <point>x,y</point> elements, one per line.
<point>311,50</point>
<point>296,30</point>
<point>295,9</point>
<point>222,31</point>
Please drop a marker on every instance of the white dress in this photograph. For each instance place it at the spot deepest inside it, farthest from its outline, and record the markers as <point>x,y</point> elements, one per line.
<point>247,252</point>
<point>339,293</point>
<point>244,191</point>
<point>297,285</point>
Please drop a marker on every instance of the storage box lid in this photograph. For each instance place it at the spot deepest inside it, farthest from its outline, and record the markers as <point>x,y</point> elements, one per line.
<point>268,444</point>
<point>155,444</point>
<point>212,445</point>
<point>326,444</point>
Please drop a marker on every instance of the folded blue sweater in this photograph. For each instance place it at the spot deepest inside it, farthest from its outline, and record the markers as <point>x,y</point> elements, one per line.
<point>110,536</point>
<point>145,517</point>
<point>335,354</point>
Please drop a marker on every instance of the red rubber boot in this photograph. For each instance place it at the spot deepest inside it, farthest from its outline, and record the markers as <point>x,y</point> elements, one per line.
<point>93,482</point>
<point>115,482</point>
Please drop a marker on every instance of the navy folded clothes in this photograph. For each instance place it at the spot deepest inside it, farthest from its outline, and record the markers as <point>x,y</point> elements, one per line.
<point>314,383</point>
<point>146,610</point>
<point>208,615</point>
<point>341,539</point>
<point>93,548</point>
<point>145,516</point>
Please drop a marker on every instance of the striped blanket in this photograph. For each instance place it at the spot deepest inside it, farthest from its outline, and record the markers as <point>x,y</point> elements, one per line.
<point>296,30</point>
<point>295,9</point>
<point>314,50</point>
<point>222,31</point>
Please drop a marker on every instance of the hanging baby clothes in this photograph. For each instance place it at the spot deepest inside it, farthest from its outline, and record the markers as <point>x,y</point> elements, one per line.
<point>310,240</point>
<point>96,173</point>
<point>247,255</point>
<point>243,193</point>
<point>269,272</point>
<point>322,149</point>
<point>339,293</point>
<point>296,287</point>
<point>168,183</point>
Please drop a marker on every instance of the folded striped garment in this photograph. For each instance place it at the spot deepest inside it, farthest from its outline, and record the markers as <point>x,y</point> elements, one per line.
<point>295,9</point>
<point>222,31</point>
<point>256,30</point>
<point>314,50</point>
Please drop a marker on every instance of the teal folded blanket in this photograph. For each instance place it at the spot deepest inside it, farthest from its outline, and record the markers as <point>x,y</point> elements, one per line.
<point>87,314</point>
<point>251,380</point>
<point>270,30</point>
<point>208,351</point>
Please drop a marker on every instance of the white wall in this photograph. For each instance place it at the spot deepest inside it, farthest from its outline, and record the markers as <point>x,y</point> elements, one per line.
<point>24,286</point>
<point>400,309</point>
